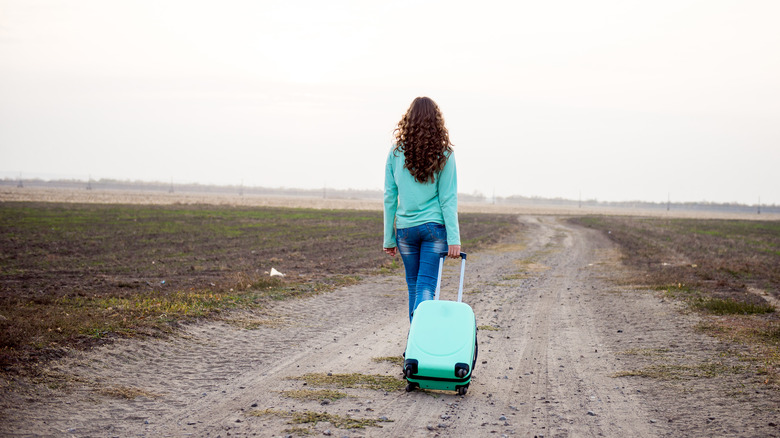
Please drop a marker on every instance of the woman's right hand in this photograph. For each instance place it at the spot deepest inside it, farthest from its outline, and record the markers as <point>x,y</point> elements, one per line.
<point>391,251</point>
<point>453,251</point>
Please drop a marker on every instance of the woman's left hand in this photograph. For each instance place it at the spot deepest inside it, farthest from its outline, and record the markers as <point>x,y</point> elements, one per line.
<point>453,251</point>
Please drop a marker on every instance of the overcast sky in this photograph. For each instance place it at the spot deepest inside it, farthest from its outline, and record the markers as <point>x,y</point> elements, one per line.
<point>608,100</point>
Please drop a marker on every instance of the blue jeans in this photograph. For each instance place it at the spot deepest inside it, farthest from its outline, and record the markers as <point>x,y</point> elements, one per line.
<point>420,249</point>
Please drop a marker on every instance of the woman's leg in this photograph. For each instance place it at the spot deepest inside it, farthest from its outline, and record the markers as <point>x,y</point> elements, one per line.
<point>434,242</point>
<point>409,241</point>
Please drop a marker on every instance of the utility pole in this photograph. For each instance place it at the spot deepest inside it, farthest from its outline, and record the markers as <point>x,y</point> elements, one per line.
<point>89,183</point>
<point>668,201</point>
<point>20,184</point>
<point>241,188</point>
<point>580,200</point>
<point>759,205</point>
<point>170,190</point>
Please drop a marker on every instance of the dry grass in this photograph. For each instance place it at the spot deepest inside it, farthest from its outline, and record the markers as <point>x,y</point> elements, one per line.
<point>307,417</point>
<point>395,360</point>
<point>683,372</point>
<point>354,380</point>
<point>127,392</point>
<point>314,394</point>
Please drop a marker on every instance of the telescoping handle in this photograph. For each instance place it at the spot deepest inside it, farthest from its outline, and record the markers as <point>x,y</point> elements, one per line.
<point>442,256</point>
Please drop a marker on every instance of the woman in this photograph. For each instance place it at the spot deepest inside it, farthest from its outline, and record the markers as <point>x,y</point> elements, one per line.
<point>421,198</point>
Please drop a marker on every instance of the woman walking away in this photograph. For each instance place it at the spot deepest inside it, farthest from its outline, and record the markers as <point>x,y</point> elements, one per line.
<point>421,198</point>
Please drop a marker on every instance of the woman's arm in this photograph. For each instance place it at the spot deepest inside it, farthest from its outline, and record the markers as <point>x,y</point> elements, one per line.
<point>391,205</point>
<point>448,200</point>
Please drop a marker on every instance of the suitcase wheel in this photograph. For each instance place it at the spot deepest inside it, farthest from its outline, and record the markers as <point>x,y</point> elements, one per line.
<point>462,390</point>
<point>461,370</point>
<point>410,387</point>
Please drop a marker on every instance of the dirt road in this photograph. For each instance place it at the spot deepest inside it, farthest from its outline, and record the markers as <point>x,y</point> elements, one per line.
<point>558,323</point>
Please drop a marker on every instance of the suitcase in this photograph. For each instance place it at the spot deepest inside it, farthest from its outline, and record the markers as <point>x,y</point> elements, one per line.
<point>441,349</point>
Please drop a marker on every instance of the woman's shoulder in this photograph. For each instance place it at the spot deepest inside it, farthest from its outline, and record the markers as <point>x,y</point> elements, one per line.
<point>396,151</point>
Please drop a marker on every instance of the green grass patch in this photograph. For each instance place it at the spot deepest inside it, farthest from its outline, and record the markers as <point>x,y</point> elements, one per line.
<point>719,306</point>
<point>395,360</point>
<point>683,372</point>
<point>354,380</point>
<point>391,267</point>
<point>648,352</point>
<point>299,431</point>
<point>308,417</point>
<point>489,328</point>
<point>314,394</point>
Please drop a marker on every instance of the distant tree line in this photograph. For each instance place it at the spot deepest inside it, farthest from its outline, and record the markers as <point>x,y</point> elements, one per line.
<point>325,192</point>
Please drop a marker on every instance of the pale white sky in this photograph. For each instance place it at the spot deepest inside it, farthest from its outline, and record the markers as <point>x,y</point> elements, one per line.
<point>616,100</point>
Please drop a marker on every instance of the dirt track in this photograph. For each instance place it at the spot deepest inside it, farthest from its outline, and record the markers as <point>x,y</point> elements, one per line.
<point>566,323</point>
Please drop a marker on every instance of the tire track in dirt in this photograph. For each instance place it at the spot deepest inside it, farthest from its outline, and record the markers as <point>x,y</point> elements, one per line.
<point>548,348</point>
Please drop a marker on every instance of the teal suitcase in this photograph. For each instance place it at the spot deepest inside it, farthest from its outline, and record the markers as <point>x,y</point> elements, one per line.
<point>441,349</point>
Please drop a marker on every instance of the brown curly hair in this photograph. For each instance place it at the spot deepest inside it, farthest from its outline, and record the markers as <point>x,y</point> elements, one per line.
<point>423,138</point>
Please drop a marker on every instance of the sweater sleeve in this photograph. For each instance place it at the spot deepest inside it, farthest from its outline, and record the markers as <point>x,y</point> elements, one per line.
<point>448,199</point>
<point>391,203</point>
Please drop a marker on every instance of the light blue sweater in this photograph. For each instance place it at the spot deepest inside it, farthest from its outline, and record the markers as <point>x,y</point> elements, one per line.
<point>409,203</point>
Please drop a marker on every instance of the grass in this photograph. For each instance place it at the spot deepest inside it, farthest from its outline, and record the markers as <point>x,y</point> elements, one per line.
<point>700,301</point>
<point>712,265</point>
<point>488,328</point>
<point>298,431</point>
<point>395,360</point>
<point>308,417</point>
<point>354,380</point>
<point>127,392</point>
<point>682,372</point>
<point>648,352</point>
<point>314,395</point>
<point>718,306</point>
<point>77,275</point>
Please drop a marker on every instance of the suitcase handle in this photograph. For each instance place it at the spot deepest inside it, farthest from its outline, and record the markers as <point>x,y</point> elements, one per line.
<point>442,256</point>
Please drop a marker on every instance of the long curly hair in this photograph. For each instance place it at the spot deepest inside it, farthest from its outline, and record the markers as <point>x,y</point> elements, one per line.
<point>423,138</point>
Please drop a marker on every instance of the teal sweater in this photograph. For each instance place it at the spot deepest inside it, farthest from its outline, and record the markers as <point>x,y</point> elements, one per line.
<point>409,203</point>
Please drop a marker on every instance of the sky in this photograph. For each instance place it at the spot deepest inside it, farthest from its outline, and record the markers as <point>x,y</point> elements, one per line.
<point>608,100</point>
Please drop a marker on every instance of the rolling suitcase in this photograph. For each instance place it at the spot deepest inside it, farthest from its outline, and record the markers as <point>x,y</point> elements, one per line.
<point>441,350</point>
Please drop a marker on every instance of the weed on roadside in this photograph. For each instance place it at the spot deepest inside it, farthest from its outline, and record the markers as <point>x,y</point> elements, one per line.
<point>395,360</point>
<point>648,352</point>
<point>298,431</point>
<point>126,392</point>
<point>308,417</point>
<point>678,372</point>
<point>314,394</point>
<point>718,306</point>
<point>354,380</point>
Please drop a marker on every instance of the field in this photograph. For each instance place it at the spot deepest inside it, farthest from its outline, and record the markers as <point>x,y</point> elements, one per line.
<point>79,274</point>
<point>161,319</point>
<point>728,270</point>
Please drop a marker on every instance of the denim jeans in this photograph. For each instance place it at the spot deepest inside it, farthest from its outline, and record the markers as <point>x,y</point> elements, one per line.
<point>420,249</point>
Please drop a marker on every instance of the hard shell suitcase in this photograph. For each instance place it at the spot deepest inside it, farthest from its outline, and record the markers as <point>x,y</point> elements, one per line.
<point>441,349</point>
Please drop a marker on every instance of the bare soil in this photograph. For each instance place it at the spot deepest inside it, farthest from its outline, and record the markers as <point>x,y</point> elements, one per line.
<point>568,347</point>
